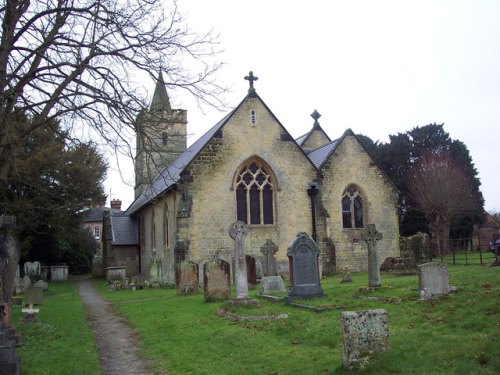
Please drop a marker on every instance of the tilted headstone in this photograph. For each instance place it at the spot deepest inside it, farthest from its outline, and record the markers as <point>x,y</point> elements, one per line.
<point>303,256</point>
<point>363,333</point>
<point>433,280</point>
<point>346,275</point>
<point>272,284</point>
<point>371,236</point>
<point>238,232</point>
<point>186,277</point>
<point>216,279</point>
<point>269,266</point>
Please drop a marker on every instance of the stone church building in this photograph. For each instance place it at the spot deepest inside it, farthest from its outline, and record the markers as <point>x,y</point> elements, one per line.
<point>248,167</point>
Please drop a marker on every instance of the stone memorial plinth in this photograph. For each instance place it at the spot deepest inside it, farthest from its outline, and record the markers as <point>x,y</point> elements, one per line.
<point>59,272</point>
<point>115,273</point>
<point>303,256</point>
<point>216,280</point>
<point>363,333</point>
<point>433,280</point>
<point>272,284</point>
<point>186,278</point>
<point>371,236</point>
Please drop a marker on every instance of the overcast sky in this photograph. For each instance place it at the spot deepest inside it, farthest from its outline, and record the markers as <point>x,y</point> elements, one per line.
<point>377,67</point>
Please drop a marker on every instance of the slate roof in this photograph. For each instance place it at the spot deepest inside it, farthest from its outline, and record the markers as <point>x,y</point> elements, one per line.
<point>171,174</point>
<point>124,230</point>
<point>96,214</point>
<point>319,156</point>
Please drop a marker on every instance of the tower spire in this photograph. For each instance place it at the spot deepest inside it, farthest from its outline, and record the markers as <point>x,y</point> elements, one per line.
<point>160,102</point>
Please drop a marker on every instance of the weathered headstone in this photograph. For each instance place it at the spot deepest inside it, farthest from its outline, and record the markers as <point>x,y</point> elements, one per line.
<point>155,270</point>
<point>303,256</point>
<point>33,270</point>
<point>97,267</point>
<point>238,232</point>
<point>33,296</point>
<point>216,279</point>
<point>346,275</point>
<point>272,284</point>
<point>140,280</point>
<point>26,282</point>
<point>269,266</point>
<point>433,280</point>
<point>186,277</point>
<point>251,271</point>
<point>363,333</point>
<point>42,285</point>
<point>371,236</point>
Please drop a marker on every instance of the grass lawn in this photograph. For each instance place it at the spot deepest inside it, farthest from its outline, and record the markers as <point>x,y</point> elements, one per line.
<point>62,341</point>
<point>456,334</point>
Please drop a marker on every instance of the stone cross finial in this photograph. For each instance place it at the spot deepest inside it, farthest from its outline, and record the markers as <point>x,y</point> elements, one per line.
<point>315,115</point>
<point>371,236</point>
<point>251,79</point>
<point>238,231</point>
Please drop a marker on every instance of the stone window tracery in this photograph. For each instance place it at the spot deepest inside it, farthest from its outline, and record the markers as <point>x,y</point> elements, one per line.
<point>254,194</point>
<point>352,208</point>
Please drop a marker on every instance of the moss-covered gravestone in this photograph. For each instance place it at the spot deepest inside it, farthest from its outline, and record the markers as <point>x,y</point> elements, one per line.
<point>216,278</point>
<point>186,277</point>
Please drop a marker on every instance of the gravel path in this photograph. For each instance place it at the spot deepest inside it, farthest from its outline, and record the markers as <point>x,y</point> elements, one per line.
<point>116,340</point>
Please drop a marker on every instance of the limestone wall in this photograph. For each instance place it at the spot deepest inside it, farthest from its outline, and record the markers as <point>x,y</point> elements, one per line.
<point>352,165</point>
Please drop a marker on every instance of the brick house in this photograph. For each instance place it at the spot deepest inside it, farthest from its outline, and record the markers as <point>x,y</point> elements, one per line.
<point>248,167</point>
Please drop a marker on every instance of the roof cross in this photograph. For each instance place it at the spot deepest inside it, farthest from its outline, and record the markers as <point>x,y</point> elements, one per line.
<point>251,78</point>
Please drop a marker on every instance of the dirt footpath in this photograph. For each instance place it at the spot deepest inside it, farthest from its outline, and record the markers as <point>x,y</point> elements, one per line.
<point>116,340</point>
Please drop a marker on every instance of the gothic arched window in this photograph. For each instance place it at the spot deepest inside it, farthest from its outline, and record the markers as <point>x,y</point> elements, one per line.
<point>352,208</point>
<point>254,194</point>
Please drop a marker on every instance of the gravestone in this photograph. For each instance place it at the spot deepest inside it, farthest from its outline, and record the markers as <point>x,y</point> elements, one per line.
<point>251,271</point>
<point>269,266</point>
<point>371,236</point>
<point>33,270</point>
<point>140,280</point>
<point>33,296</point>
<point>216,279</point>
<point>155,270</point>
<point>238,231</point>
<point>186,278</point>
<point>346,275</point>
<point>363,333</point>
<point>272,284</point>
<point>303,256</point>
<point>433,280</point>
<point>26,282</point>
<point>42,285</point>
<point>97,267</point>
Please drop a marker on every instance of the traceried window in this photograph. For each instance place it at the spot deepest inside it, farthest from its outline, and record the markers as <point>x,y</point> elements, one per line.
<point>352,208</point>
<point>254,194</point>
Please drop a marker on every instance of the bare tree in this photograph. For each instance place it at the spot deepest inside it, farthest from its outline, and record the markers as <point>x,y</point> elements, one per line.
<point>77,61</point>
<point>440,187</point>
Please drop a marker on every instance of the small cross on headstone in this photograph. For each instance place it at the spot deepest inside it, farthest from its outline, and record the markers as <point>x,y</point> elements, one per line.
<point>251,79</point>
<point>371,236</point>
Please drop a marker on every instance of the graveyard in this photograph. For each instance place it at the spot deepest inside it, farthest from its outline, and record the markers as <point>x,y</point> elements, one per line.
<point>184,334</point>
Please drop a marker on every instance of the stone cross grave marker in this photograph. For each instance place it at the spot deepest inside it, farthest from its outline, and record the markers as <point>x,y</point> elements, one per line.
<point>269,267</point>
<point>238,231</point>
<point>186,278</point>
<point>363,333</point>
<point>216,279</point>
<point>371,236</point>
<point>303,256</point>
<point>433,280</point>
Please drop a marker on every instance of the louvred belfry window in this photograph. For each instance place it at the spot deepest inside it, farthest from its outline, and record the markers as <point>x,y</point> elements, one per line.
<point>254,194</point>
<point>352,208</point>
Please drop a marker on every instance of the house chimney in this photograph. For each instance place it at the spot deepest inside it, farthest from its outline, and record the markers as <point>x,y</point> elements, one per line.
<point>116,204</point>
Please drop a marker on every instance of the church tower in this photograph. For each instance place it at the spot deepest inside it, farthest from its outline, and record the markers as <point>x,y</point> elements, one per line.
<point>160,137</point>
